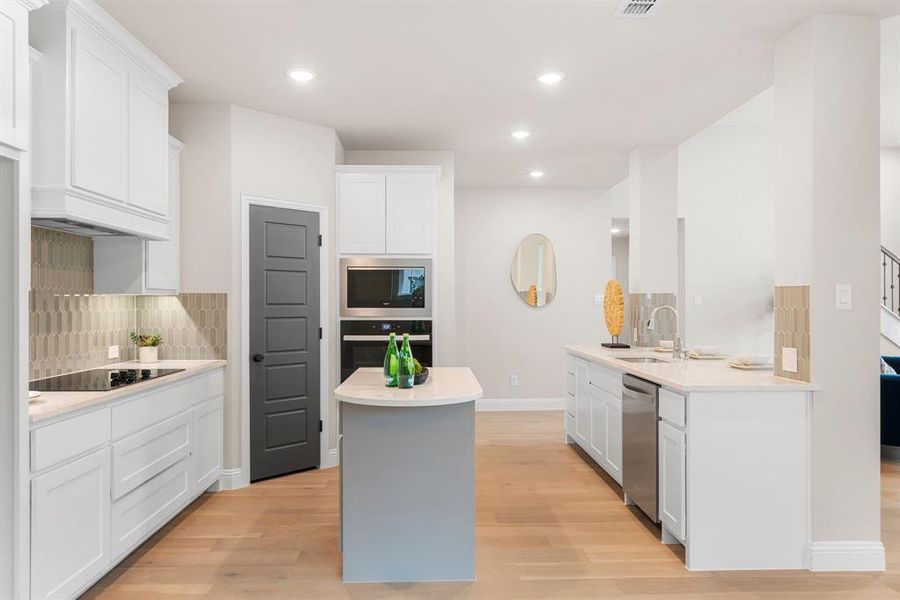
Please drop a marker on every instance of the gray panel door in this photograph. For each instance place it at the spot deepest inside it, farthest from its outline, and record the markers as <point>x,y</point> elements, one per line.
<point>284,341</point>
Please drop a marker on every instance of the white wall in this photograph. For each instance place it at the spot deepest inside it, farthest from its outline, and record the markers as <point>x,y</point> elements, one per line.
<point>652,224</point>
<point>498,334</point>
<point>725,196</point>
<point>827,202</point>
<point>205,220</point>
<point>890,199</point>
<point>446,351</point>
<point>229,151</point>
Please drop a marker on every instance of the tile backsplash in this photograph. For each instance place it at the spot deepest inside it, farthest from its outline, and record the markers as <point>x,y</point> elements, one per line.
<point>71,328</point>
<point>792,329</point>
<point>639,308</point>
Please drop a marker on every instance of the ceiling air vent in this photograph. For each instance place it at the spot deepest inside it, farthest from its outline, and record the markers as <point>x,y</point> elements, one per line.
<point>638,8</point>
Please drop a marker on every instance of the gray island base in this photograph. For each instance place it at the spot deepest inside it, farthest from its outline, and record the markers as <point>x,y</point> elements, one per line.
<point>408,478</point>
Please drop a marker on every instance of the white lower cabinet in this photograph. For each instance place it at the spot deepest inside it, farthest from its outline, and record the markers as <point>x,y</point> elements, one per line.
<point>70,526</point>
<point>594,421</point>
<point>207,457</point>
<point>612,453</point>
<point>158,450</point>
<point>147,508</point>
<point>672,489</point>
<point>582,404</point>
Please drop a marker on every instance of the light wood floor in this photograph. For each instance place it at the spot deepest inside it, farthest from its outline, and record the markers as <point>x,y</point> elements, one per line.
<point>548,526</point>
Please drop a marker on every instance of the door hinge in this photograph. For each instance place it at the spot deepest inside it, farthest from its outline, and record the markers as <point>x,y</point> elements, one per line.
<point>320,240</point>
<point>320,333</point>
<point>320,425</point>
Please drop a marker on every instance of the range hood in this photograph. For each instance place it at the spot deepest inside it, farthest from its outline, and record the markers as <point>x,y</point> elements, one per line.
<point>74,227</point>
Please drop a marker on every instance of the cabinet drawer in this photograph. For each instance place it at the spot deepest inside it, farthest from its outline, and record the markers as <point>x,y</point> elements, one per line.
<point>671,407</point>
<point>570,425</point>
<point>208,386</point>
<point>66,439</point>
<point>145,509</point>
<point>154,406</point>
<point>606,380</point>
<point>145,454</point>
<point>570,404</point>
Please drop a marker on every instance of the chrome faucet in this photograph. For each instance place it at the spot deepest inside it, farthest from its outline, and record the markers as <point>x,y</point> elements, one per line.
<point>678,351</point>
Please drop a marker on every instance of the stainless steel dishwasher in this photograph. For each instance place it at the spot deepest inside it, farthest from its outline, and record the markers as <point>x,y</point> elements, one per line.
<point>640,416</point>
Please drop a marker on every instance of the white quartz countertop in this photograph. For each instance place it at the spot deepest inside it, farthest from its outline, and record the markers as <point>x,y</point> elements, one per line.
<point>689,375</point>
<point>445,385</point>
<point>52,404</point>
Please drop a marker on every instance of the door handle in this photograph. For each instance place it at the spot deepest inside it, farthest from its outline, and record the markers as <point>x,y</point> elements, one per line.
<point>258,358</point>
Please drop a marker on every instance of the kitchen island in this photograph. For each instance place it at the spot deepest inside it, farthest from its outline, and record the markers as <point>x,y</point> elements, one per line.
<point>732,452</point>
<point>408,477</point>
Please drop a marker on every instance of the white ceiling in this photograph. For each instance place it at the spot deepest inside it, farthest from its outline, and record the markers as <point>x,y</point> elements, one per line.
<point>458,75</point>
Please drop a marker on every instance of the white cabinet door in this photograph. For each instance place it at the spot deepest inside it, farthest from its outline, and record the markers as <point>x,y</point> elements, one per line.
<point>672,479</point>
<point>582,405</point>
<point>612,451</point>
<point>148,144</point>
<point>207,454</point>
<point>361,209</point>
<point>409,214</point>
<point>13,74</point>
<point>162,258</point>
<point>99,116</point>
<point>70,526</point>
<point>597,447</point>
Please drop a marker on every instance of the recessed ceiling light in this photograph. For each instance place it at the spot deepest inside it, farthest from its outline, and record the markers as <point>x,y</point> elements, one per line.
<point>521,134</point>
<point>615,230</point>
<point>536,174</point>
<point>301,75</point>
<point>550,77</point>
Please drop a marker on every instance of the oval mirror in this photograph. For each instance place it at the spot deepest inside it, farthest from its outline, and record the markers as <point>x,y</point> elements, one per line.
<point>533,271</point>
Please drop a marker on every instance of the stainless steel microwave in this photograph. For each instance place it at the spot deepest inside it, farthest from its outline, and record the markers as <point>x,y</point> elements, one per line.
<point>386,287</point>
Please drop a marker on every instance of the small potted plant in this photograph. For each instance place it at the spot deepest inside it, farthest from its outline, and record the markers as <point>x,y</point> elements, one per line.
<point>148,346</point>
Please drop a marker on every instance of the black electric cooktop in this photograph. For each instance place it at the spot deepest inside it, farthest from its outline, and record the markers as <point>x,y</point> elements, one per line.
<point>97,380</point>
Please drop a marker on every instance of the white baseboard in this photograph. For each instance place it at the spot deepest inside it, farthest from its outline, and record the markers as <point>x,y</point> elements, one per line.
<point>846,556</point>
<point>331,459</point>
<point>502,404</point>
<point>233,479</point>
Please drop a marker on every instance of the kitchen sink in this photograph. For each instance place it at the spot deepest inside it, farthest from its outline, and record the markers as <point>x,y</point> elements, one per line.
<point>641,359</point>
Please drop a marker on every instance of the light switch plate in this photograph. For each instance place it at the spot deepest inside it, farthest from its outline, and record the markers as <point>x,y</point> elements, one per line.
<point>598,299</point>
<point>789,359</point>
<point>698,300</point>
<point>843,296</point>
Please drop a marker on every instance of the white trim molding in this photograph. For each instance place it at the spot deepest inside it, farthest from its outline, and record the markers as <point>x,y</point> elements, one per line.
<point>325,384</point>
<point>519,404</point>
<point>232,479</point>
<point>846,556</point>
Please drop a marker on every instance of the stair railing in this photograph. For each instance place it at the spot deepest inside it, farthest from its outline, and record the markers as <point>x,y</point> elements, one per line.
<point>890,280</point>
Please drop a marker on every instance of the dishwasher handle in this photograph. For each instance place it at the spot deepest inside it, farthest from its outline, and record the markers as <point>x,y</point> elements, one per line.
<point>637,394</point>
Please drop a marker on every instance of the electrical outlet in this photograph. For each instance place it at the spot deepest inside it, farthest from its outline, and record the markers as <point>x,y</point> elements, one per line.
<point>514,379</point>
<point>789,359</point>
<point>598,299</point>
<point>112,352</point>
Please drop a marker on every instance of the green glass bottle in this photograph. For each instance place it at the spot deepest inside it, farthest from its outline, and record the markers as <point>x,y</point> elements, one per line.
<point>391,362</point>
<point>406,374</point>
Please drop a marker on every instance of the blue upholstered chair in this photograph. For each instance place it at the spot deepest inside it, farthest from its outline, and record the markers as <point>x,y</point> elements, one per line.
<point>890,404</point>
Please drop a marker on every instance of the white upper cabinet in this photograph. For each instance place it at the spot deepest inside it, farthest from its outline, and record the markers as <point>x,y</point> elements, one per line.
<point>361,205</point>
<point>100,123</point>
<point>148,145</point>
<point>386,210</point>
<point>410,214</point>
<point>99,115</point>
<point>14,72</point>
<point>131,265</point>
